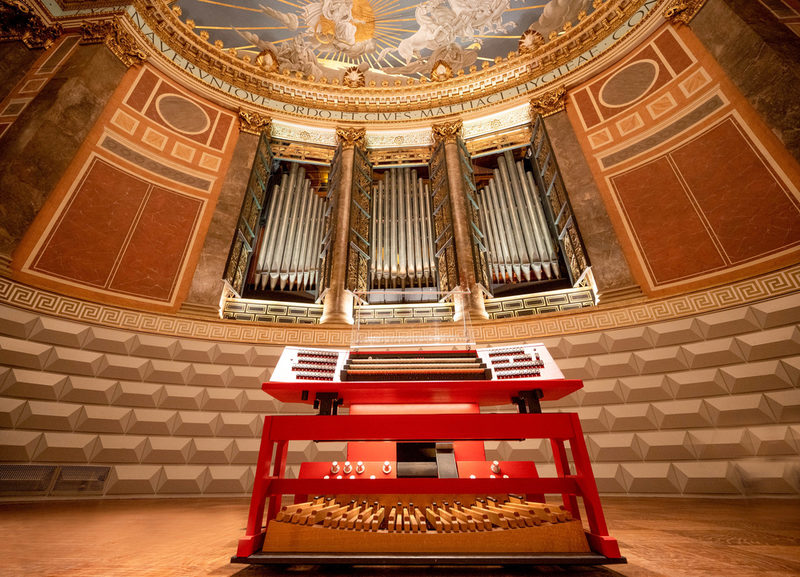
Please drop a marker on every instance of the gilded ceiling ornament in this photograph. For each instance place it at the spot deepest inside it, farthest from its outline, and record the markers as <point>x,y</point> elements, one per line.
<point>267,60</point>
<point>530,41</point>
<point>124,46</point>
<point>95,32</point>
<point>253,122</point>
<point>447,131</point>
<point>352,136</point>
<point>353,78</point>
<point>441,71</point>
<point>682,11</point>
<point>549,102</point>
<point>19,22</point>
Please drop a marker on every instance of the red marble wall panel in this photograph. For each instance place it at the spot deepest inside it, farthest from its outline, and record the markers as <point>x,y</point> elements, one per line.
<point>698,188</point>
<point>221,132</point>
<point>127,222</point>
<point>740,195</point>
<point>140,94</point>
<point>153,113</point>
<point>665,223</point>
<point>87,239</point>
<point>674,54</point>
<point>167,221</point>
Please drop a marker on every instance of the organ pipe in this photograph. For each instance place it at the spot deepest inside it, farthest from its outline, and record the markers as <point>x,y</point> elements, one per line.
<point>287,256</point>
<point>519,244</point>
<point>402,238</point>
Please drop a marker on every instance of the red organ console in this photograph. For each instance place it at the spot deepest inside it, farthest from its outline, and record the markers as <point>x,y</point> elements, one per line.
<point>415,486</point>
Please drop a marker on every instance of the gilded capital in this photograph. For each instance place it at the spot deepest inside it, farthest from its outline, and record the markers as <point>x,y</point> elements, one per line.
<point>19,22</point>
<point>447,131</point>
<point>682,11</point>
<point>350,137</point>
<point>124,46</point>
<point>549,102</point>
<point>253,122</point>
<point>95,32</point>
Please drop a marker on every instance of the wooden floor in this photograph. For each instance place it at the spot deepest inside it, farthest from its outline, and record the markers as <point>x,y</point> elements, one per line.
<point>192,538</point>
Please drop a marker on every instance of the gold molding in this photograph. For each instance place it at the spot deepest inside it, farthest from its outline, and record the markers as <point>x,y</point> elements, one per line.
<point>351,136</point>
<point>353,78</point>
<point>18,21</point>
<point>447,131</point>
<point>254,122</point>
<point>95,32</point>
<point>550,102</point>
<point>124,45</point>
<point>682,11</point>
<point>297,90</point>
<point>441,71</point>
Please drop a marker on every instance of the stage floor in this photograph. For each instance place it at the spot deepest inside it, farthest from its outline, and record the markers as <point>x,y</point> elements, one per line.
<point>661,537</point>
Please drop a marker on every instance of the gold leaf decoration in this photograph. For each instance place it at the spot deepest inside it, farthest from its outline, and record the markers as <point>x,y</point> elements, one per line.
<point>549,102</point>
<point>353,78</point>
<point>124,46</point>
<point>352,136</point>
<point>681,12</point>
<point>253,122</point>
<point>447,131</point>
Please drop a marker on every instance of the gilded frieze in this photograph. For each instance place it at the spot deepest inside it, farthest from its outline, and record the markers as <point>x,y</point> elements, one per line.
<point>292,93</point>
<point>18,21</point>
<point>550,102</point>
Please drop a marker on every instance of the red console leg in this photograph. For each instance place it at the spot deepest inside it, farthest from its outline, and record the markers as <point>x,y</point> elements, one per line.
<point>254,536</point>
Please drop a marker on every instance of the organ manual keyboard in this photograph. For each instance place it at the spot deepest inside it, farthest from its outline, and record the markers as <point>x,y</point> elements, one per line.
<point>416,487</point>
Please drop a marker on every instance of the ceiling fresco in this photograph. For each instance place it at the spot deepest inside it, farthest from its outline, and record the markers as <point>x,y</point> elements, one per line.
<point>371,40</point>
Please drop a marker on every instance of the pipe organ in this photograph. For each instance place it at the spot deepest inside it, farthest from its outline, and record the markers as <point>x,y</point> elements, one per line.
<point>402,239</point>
<point>416,486</point>
<point>288,256</point>
<point>519,244</point>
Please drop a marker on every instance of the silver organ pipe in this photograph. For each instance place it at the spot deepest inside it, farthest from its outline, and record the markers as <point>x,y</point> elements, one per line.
<point>518,239</point>
<point>292,235</point>
<point>403,254</point>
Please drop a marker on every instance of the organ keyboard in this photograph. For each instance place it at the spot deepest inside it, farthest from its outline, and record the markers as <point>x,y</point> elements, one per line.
<point>416,486</point>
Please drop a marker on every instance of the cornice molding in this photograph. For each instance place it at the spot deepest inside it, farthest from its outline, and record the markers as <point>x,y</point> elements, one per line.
<point>298,91</point>
<point>603,317</point>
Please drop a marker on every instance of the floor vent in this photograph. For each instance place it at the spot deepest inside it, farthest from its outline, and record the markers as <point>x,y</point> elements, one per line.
<point>52,480</point>
<point>26,479</point>
<point>73,479</point>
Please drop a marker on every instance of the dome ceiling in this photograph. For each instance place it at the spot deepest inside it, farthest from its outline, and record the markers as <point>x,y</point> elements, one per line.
<point>372,40</point>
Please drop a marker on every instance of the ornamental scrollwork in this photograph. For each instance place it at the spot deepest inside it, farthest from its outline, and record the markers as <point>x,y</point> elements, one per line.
<point>682,11</point>
<point>18,21</point>
<point>350,137</point>
<point>95,32</point>
<point>253,122</point>
<point>549,102</point>
<point>124,46</point>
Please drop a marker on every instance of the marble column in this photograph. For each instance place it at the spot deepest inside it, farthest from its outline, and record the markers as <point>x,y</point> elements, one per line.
<point>41,143</point>
<point>15,60</point>
<point>610,268</point>
<point>462,236</point>
<point>761,56</point>
<point>337,305</point>
<point>207,284</point>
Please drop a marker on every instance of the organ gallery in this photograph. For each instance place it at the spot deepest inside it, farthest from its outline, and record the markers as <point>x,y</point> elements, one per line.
<point>533,266</point>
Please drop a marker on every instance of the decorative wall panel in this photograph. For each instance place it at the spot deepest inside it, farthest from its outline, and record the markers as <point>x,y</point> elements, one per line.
<point>127,220</point>
<point>698,189</point>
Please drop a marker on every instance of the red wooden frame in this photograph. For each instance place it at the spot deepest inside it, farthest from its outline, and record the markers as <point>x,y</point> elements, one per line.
<point>558,427</point>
